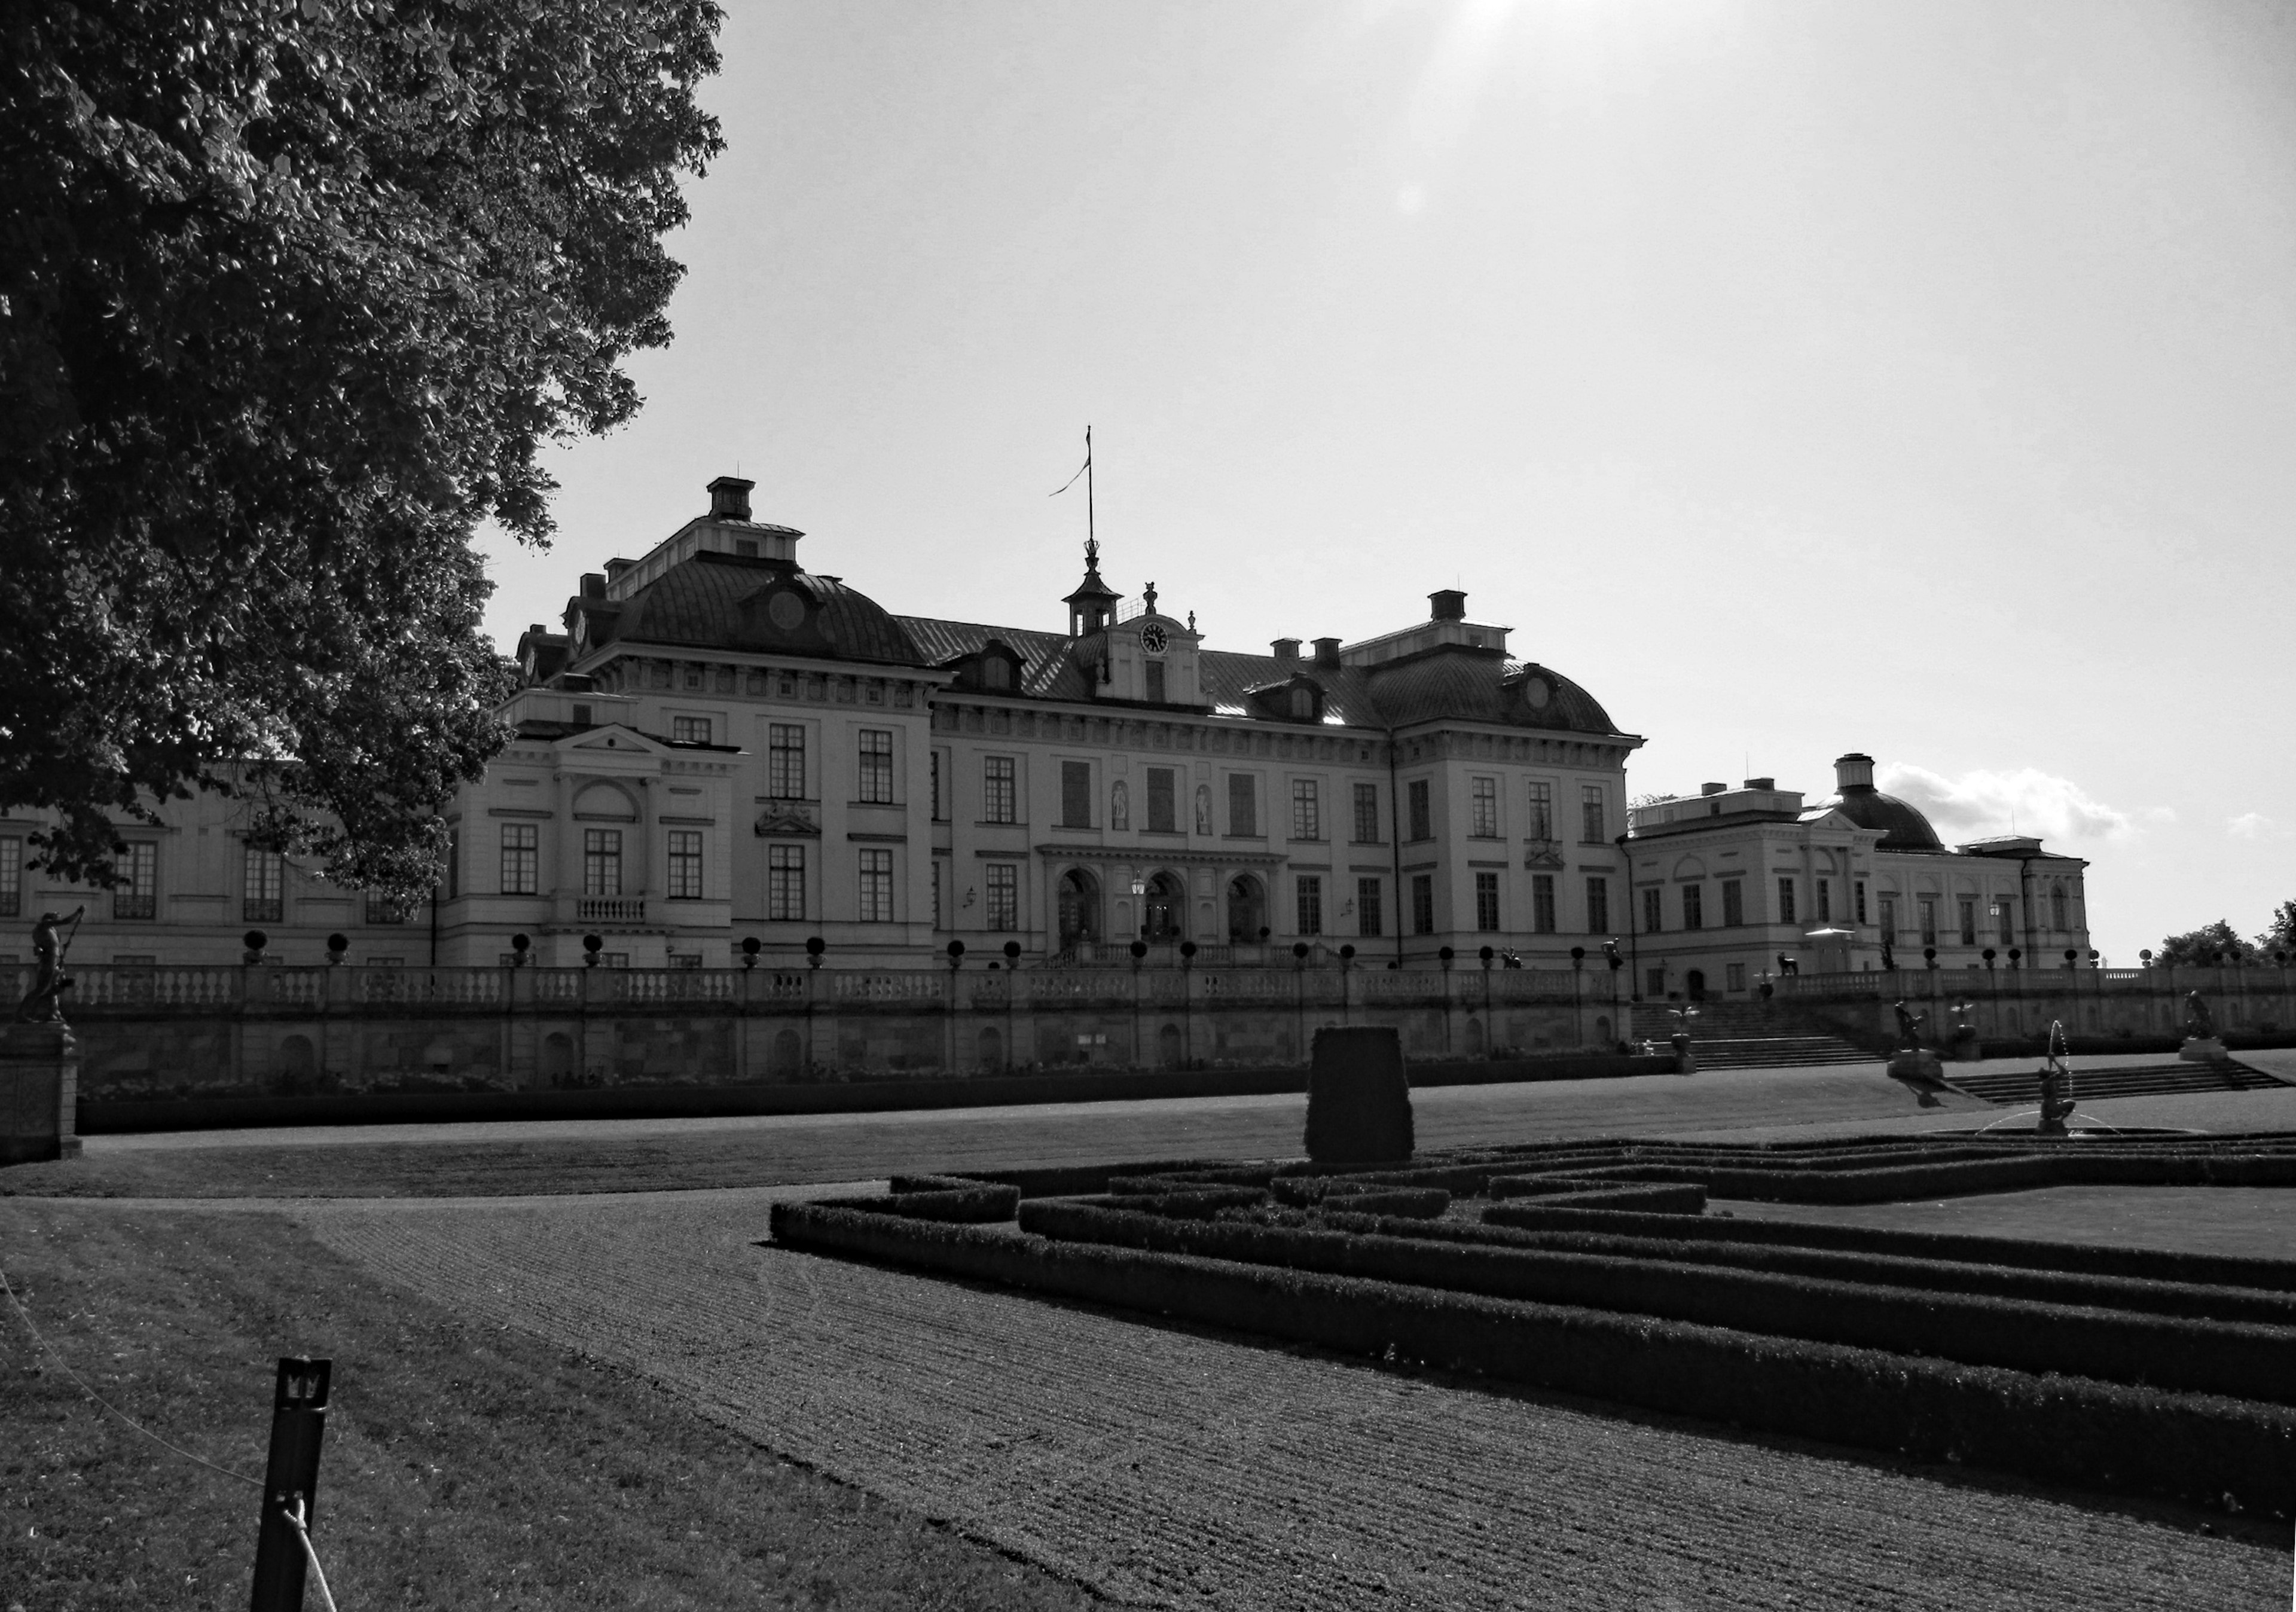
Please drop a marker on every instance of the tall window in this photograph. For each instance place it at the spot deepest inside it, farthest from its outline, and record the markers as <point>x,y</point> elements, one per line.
<point>686,864</point>
<point>1487,901</point>
<point>518,858</point>
<point>876,886</point>
<point>1367,906</point>
<point>1484,811</point>
<point>1076,794</point>
<point>1368,814</point>
<point>690,730</point>
<point>1825,901</point>
<point>876,758</point>
<point>264,875</point>
<point>1653,910</point>
<point>997,793</point>
<point>785,760</point>
<point>1163,803</point>
<point>1306,810</point>
<point>2058,908</point>
<point>1415,795</point>
<point>1243,804</point>
<point>1927,908</point>
<point>1786,904</point>
<point>602,862</point>
<point>1311,905</point>
<point>1733,902</point>
<point>1423,903</point>
<point>1303,704</point>
<point>933,767</point>
<point>2003,911</point>
<point>1693,907</point>
<point>384,909</point>
<point>784,882</point>
<point>1968,923</point>
<point>1003,896</point>
<point>139,897</point>
<point>1542,903</point>
<point>1593,819</point>
<point>1155,683</point>
<point>1598,906</point>
<point>1540,824</point>
<point>12,877</point>
<point>1889,918</point>
<point>1857,892</point>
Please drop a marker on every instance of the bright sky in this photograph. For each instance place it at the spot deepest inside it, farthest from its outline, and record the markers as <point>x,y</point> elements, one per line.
<point>1915,377</point>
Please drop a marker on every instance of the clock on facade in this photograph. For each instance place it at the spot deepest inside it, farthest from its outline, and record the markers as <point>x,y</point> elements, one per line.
<point>1151,639</point>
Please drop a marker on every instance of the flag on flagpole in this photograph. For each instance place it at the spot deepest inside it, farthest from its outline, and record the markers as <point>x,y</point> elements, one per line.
<point>1081,469</point>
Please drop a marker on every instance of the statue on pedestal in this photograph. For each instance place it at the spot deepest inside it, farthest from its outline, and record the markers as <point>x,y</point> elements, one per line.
<point>1914,1066</point>
<point>2056,1077</point>
<point>2202,1043</point>
<point>50,944</point>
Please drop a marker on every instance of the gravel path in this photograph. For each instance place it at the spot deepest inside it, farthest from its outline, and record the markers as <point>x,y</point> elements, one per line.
<point>1175,1467</point>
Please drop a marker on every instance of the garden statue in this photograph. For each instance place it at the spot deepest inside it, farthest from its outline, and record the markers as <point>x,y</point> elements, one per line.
<point>1686,1062</point>
<point>1962,1042</point>
<point>2202,1043</point>
<point>2056,1076</point>
<point>49,980</point>
<point>1914,1066</point>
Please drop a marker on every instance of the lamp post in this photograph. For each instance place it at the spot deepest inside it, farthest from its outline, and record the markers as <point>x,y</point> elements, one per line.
<point>1490,1036</point>
<point>1139,954</point>
<point>1578,1019</point>
<point>1140,907</point>
<point>1612,958</point>
<point>1443,955</point>
<point>1299,993</point>
<point>1011,989</point>
<point>1187,1005</point>
<point>813,947</point>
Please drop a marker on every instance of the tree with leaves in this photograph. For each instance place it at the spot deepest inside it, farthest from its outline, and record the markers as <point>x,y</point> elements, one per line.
<point>2212,943</point>
<point>291,293</point>
<point>2280,935</point>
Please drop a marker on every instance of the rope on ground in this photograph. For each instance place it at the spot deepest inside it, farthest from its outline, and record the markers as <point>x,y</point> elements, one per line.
<point>65,1366</point>
<point>295,1520</point>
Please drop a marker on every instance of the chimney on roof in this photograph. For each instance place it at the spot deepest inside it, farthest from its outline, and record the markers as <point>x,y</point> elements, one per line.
<point>1712,789</point>
<point>593,584</point>
<point>1446,604</point>
<point>616,568</point>
<point>1761,783</point>
<point>1286,649</point>
<point>1327,651</point>
<point>1853,772</point>
<point>729,498</point>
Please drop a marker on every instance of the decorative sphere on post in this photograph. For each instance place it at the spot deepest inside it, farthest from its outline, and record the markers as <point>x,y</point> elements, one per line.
<point>814,945</point>
<point>751,946</point>
<point>338,945</point>
<point>591,945</point>
<point>1139,951</point>
<point>1187,951</point>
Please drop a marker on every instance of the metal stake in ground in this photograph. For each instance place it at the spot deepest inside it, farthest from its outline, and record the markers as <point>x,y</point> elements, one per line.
<point>299,1418</point>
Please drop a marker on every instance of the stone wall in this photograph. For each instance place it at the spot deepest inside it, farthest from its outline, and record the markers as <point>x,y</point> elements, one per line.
<point>2018,1007</point>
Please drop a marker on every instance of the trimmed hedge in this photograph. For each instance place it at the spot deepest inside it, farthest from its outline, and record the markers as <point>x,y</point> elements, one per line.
<point>1187,1203</point>
<point>974,1201</point>
<point>2243,1359</point>
<point>1685,1199</point>
<point>2057,1428</point>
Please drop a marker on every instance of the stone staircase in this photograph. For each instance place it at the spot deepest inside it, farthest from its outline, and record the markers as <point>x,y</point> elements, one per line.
<point>2174,1077</point>
<point>1754,1035</point>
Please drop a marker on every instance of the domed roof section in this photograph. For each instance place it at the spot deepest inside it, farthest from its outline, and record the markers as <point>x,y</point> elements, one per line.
<point>1902,827</point>
<point>714,601</point>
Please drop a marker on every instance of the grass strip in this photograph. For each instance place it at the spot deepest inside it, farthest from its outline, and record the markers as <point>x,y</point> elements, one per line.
<point>2216,1451</point>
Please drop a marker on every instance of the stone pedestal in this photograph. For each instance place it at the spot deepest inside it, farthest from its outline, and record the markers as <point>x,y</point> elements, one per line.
<point>1685,1060</point>
<point>1918,1070</point>
<point>1962,1045</point>
<point>39,1094</point>
<point>2203,1049</point>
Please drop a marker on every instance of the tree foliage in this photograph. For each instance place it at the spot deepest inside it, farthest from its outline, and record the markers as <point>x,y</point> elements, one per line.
<point>2199,948</point>
<point>291,295</point>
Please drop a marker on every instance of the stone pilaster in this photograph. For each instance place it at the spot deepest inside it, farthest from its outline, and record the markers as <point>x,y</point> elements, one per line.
<point>39,1094</point>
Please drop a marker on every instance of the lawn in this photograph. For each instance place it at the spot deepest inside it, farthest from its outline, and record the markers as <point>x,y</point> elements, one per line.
<point>465,1463</point>
<point>2256,1223</point>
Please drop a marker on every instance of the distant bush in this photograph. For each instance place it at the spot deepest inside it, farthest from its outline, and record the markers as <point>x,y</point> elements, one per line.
<point>1358,1098</point>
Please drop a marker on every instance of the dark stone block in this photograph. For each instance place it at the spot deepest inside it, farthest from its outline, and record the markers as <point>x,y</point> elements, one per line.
<point>1358,1098</point>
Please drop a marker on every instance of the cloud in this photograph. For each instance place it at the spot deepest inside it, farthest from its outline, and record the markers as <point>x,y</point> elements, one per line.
<point>2256,825</point>
<point>1981,804</point>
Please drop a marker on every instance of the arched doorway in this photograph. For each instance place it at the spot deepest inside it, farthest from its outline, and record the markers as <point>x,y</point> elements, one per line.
<point>1474,1038</point>
<point>1163,909</point>
<point>1247,909</point>
<point>298,1067</point>
<point>1079,907</point>
<point>786,1060</point>
<point>1693,984</point>
<point>555,1065</point>
<point>1601,1029</point>
<point>1167,1046</point>
<point>992,1048</point>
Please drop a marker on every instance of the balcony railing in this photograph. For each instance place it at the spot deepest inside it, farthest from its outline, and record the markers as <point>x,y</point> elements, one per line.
<point>610,909</point>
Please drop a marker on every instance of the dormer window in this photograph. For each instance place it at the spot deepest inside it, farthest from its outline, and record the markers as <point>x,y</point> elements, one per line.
<point>995,672</point>
<point>1303,703</point>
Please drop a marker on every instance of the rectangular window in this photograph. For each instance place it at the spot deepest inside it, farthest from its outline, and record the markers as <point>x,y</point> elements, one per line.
<point>1542,903</point>
<point>1734,903</point>
<point>685,959</point>
<point>1654,981</point>
<point>1486,901</point>
<point>1825,901</point>
<point>263,873</point>
<point>1306,810</point>
<point>1968,923</point>
<point>997,793</point>
<point>2002,910</point>
<point>1592,818</point>
<point>1422,825</point>
<point>876,758</point>
<point>518,871</point>
<point>1367,907</point>
<point>384,909</point>
<point>1076,794</point>
<point>1653,911</point>
<point>1889,918</point>
<point>1003,896</point>
<point>1155,683</point>
<point>1733,975</point>
<point>786,883</point>
<point>686,864</point>
<point>1693,907</point>
<point>1927,908</point>
<point>1483,794</point>
<point>1368,814</point>
<point>1786,902</point>
<point>690,730</point>
<point>1859,893</point>
<point>1598,906</point>
<point>1163,803</point>
<point>602,862</point>
<point>1540,823</point>
<point>785,760</point>
<point>139,897</point>
<point>1311,905</point>
<point>1243,804</point>
<point>1423,903</point>
<point>11,878</point>
<point>876,886</point>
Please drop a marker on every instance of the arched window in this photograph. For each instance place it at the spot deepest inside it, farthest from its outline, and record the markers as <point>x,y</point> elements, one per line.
<point>1303,703</point>
<point>995,672</point>
<point>2057,906</point>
